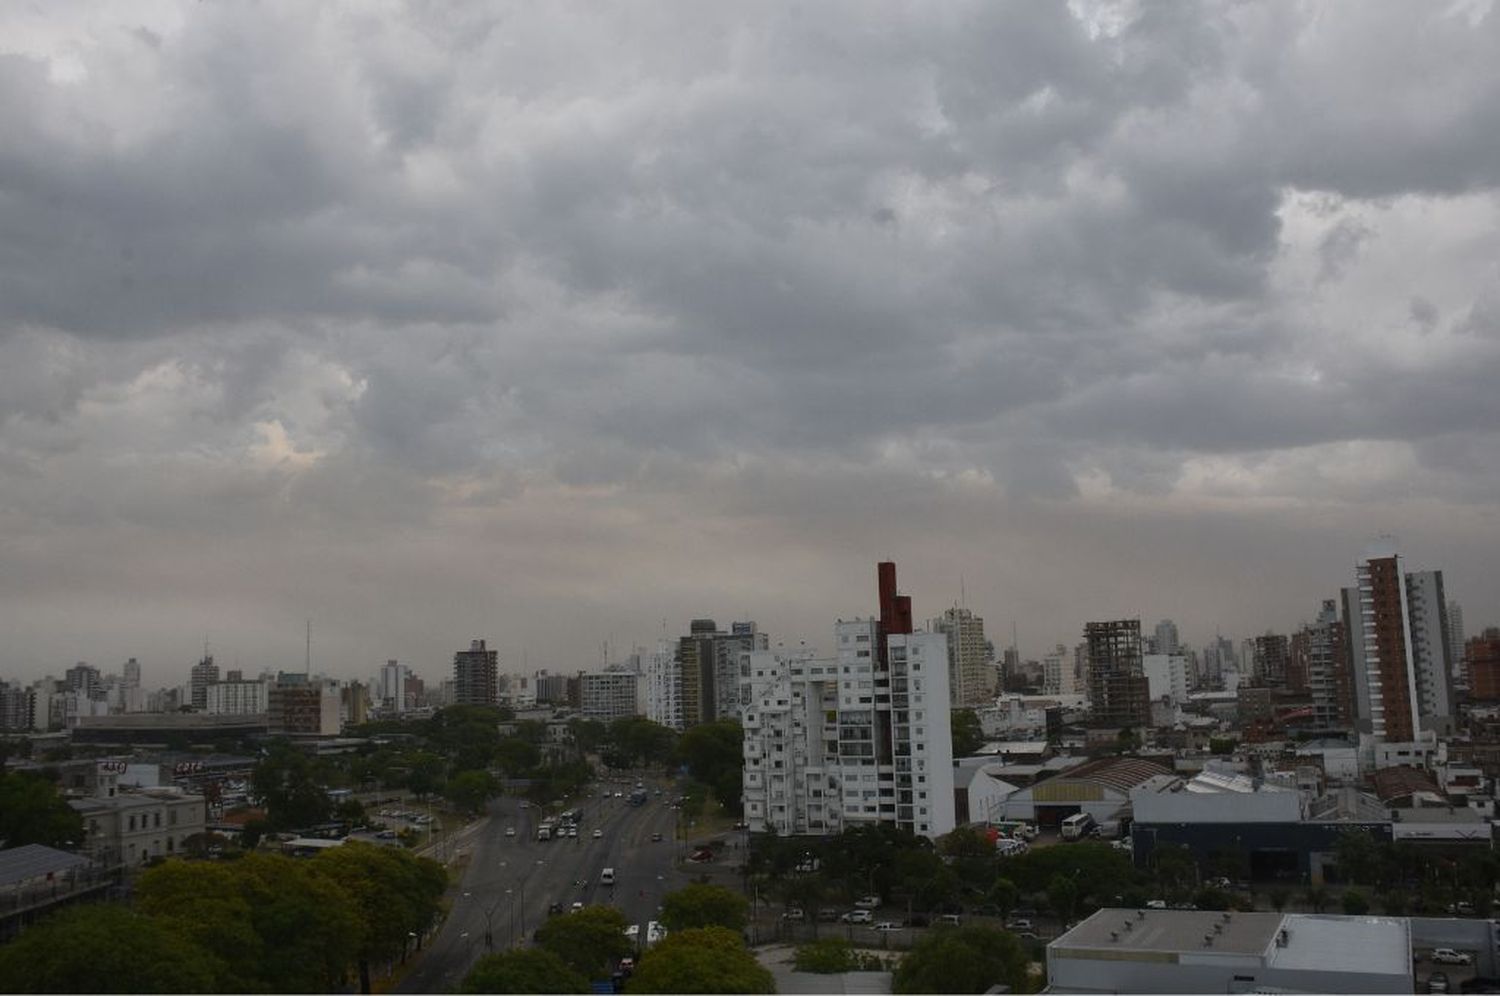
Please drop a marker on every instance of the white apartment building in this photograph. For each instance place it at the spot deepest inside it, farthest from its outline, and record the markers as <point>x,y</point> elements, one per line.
<point>847,741</point>
<point>1166,677</point>
<point>391,687</point>
<point>235,698</point>
<point>1059,674</point>
<point>660,690</point>
<point>608,695</point>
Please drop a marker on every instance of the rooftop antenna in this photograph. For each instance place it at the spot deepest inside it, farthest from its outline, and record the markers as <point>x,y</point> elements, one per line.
<point>307,661</point>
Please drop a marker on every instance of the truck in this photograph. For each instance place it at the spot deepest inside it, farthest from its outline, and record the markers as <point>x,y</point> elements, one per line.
<point>1077,826</point>
<point>544,831</point>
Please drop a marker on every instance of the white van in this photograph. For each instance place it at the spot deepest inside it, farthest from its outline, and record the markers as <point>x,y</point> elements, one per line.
<point>607,877</point>
<point>1077,826</point>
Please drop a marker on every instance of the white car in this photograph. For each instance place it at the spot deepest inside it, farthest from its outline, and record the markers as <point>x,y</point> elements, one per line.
<point>858,916</point>
<point>598,834</point>
<point>575,907</point>
<point>867,903</point>
<point>887,925</point>
<point>510,831</point>
<point>1448,956</point>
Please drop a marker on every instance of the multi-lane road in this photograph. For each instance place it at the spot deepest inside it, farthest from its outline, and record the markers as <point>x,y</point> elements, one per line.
<point>510,882</point>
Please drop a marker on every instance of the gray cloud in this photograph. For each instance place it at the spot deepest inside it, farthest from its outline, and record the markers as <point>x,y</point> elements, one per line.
<point>565,297</point>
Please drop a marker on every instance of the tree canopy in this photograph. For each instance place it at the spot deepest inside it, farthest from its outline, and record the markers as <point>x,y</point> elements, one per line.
<point>964,960</point>
<point>714,755</point>
<point>104,948</point>
<point>702,960</point>
<point>394,893</point>
<point>32,812</point>
<point>588,940</point>
<point>700,905</point>
<point>967,735</point>
<point>526,970</point>
<point>284,783</point>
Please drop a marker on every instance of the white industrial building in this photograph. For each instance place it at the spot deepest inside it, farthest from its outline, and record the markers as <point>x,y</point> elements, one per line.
<point>1191,951</point>
<point>841,742</point>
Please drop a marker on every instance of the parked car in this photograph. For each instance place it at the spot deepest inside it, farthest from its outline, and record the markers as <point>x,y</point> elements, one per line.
<point>387,835</point>
<point>950,919</point>
<point>867,903</point>
<point>887,925</point>
<point>1028,935</point>
<point>795,915</point>
<point>510,831</point>
<point>575,907</point>
<point>1448,956</point>
<point>858,916</point>
<point>1156,904</point>
<point>1019,923</point>
<point>1437,982</point>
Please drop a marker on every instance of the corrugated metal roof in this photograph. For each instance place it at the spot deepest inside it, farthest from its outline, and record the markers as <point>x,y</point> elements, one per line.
<point>17,864</point>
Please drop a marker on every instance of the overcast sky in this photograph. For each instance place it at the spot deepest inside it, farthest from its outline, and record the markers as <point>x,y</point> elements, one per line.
<point>559,324</point>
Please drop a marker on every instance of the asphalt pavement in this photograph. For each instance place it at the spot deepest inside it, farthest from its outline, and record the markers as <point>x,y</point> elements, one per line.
<point>509,882</point>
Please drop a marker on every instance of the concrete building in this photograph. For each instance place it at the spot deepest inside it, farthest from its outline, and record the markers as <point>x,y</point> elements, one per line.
<point>391,691</point>
<point>608,695</point>
<point>856,739</point>
<point>1166,677</point>
<point>17,708</point>
<point>235,698</point>
<point>708,669</point>
<point>203,674</point>
<point>971,667</point>
<point>1482,664</point>
<point>1396,625</point>
<point>1166,641</point>
<point>303,707</point>
<point>1118,693</point>
<point>127,830</point>
<point>1060,672</point>
<point>1457,638</point>
<point>660,687</point>
<point>1268,664</point>
<point>1321,652</point>
<point>475,675</point>
<point>1191,951</point>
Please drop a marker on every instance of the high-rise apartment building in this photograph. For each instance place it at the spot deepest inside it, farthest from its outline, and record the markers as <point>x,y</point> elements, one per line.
<point>1320,652</point>
<point>661,686</point>
<point>857,739</point>
<point>301,706</point>
<point>971,666</point>
<point>1118,692</point>
<point>84,679</point>
<point>204,673</point>
<point>391,688</point>
<point>236,698</point>
<point>17,708</point>
<point>1166,637</point>
<point>476,675</point>
<point>708,666</point>
<point>1166,677</point>
<point>1396,625</point>
<point>1059,672</point>
<point>1456,642</point>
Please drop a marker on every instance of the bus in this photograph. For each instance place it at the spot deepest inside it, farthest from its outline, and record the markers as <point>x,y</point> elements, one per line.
<point>1077,826</point>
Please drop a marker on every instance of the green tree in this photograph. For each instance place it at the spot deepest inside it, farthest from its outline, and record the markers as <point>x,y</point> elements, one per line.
<point>1317,897</point>
<point>964,960</point>
<point>1278,897</point>
<point>827,957</point>
<point>526,970</point>
<point>283,782</point>
<point>702,960</point>
<point>203,902</point>
<point>424,773</point>
<point>1062,896</point>
<point>641,742</point>
<point>394,893</point>
<point>704,906</point>
<point>967,734</point>
<point>1358,856</point>
<point>31,812</point>
<point>517,757</point>
<point>307,923</point>
<point>1355,903</point>
<point>470,790</point>
<point>1394,902</point>
<point>104,948</point>
<point>714,755</point>
<point>1004,895</point>
<point>588,940</point>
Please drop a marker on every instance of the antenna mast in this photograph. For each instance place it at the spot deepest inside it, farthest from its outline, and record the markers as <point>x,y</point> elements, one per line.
<point>307,661</point>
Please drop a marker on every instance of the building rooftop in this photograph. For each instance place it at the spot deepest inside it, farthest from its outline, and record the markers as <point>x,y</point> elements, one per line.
<point>1173,930</point>
<point>1369,945</point>
<point>18,864</point>
<point>1120,773</point>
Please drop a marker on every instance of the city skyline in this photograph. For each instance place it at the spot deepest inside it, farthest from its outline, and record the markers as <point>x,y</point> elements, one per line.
<point>542,324</point>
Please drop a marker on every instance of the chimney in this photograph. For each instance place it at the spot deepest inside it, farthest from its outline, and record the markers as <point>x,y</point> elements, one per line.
<point>1208,940</point>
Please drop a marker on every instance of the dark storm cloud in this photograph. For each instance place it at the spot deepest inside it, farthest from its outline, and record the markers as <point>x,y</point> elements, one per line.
<point>584,282</point>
